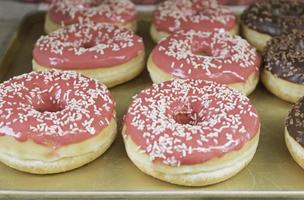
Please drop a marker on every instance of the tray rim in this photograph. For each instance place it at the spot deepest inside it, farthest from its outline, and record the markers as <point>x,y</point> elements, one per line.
<point>186,193</point>
<point>122,194</point>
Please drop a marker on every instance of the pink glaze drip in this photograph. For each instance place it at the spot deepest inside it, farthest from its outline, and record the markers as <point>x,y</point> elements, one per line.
<point>215,56</point>
<point>184,122</point>
<point>87,45</point>
<point>72,11</point>
<point>198,15</point>
<point>54,108</point>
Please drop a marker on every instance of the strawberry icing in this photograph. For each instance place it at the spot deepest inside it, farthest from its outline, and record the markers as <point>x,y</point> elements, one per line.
<point>184,122</point>
<point>87,45</point>
<point>215,56</point>
<point>54,108</point>
<point>72,11</point>
<point>207,15</point>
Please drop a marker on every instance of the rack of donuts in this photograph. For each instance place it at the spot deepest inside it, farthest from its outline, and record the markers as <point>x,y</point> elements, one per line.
<point>194,126</point>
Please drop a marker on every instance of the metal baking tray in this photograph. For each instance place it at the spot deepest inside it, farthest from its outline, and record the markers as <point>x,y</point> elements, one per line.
<point>272,173</point>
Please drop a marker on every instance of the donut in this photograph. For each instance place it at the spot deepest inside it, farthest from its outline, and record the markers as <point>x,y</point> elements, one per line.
<point>294,129</point>
<point>98,50</point>
<point>265,19</point>
<point>214,56</point>
<point>54,121</point>
<point>172,16</point>
<point>283,74</point>
<point>66,12</point>
<point>191,132</point>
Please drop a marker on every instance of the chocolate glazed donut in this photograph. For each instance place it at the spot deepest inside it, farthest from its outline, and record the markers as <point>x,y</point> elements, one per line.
<point>284,57</point>
<point>295,122</point>
<point>283,74</point>
<point>294,132</point>
<point>265,19</point>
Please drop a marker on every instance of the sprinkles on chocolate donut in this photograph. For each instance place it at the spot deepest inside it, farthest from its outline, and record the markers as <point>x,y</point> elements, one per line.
<point>275,17</point>
<point>265,19</point>
<point>294,132</point>
<point>283,72</point>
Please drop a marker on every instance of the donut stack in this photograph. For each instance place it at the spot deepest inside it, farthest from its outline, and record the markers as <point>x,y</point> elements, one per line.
<point>194,126</point>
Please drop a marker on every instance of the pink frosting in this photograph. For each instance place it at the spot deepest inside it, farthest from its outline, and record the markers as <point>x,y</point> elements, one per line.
<point>206,15</point>
<point>54,108</point>
<point>184,122</point>
<point>72,11</point>
<point>87,45</point>
<point>215,56</point>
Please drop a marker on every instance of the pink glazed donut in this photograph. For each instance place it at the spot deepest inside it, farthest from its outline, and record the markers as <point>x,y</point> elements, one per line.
<point>214,56</point>
<point>199,15</point>
<point>98,50</point>
<point>54,121</point>
<point>191,132</point>
<point>66,12</point>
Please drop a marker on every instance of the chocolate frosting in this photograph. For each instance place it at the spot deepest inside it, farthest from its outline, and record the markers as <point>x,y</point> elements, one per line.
<point>284,57</point>
<point>295,122</point>
<point>275,17</point>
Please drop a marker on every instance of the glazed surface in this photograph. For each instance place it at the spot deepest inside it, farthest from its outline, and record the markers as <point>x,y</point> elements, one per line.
<point>72,11</point>
<point>54,108</point>
<point>284,57</point>
<point>172,16</point>
<point>184,122</point>
<point>275,17</point>
<point>215,56</point>
<point>87,45</point>
<point>295,122</point>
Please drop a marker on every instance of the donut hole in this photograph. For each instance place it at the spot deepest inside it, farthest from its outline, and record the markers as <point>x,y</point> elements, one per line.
<point>216,53</point>
<point>48,108</point>
<point>186,118</point>
<point>46,103</point>
<point>200,50</point>
<point>88,45</point>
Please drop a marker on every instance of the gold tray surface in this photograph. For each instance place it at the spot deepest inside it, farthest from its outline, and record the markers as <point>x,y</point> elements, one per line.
<point>272,173</point>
